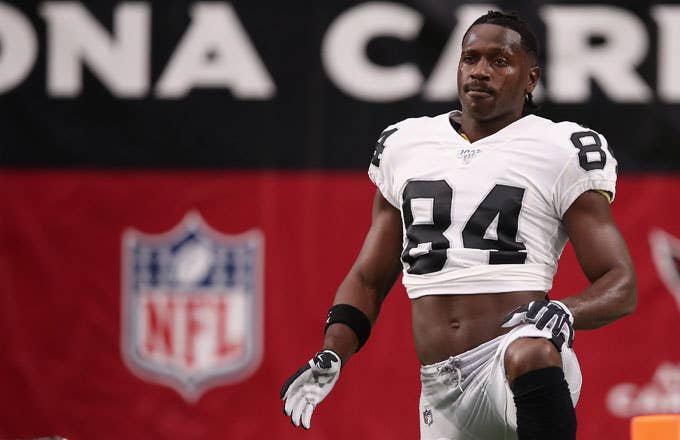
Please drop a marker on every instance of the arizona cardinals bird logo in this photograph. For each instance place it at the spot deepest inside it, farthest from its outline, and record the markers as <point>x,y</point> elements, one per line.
<point>666,255</point>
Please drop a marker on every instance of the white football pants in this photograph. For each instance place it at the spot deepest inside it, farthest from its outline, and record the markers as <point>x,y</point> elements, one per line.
<point>467,397</point>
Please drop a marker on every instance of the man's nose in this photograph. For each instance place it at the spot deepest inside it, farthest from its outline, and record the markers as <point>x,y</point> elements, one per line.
<point>481,70</point>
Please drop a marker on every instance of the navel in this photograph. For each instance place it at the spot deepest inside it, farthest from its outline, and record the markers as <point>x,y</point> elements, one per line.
<point>454,324</point>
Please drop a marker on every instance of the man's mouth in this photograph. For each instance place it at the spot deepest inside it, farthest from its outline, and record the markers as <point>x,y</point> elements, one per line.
<point>478,90</point>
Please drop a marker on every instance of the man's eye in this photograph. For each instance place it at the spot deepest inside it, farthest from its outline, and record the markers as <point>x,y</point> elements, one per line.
<point>468,59</point>
<point>501,61</point>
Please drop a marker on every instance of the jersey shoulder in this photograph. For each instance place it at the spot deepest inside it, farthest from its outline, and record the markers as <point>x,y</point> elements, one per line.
<point>401,138</point>
<point>408,131</point>
<point>565,134</point>
<point>588,163</point>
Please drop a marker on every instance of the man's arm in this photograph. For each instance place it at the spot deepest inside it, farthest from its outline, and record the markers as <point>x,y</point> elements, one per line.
<point>364,288</point>
<point>604,259</point>
<point>371,277</point>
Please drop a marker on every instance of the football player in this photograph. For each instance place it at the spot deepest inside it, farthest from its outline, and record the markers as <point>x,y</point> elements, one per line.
<point>475,207</point>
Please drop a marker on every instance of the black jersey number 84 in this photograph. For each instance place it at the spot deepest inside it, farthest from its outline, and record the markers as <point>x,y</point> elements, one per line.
<point>426,249</point>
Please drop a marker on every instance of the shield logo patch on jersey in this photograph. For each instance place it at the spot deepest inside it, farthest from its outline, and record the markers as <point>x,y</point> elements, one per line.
<point>192,306</point>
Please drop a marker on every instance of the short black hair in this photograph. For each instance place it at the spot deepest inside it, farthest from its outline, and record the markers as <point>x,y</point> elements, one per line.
<point>528,39</point>
<point>512,21</point>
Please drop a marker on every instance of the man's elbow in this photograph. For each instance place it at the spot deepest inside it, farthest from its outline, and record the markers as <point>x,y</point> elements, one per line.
<point>629,293</point>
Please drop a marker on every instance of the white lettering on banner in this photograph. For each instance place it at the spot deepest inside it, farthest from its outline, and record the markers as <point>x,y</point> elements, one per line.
<point>192,331</point>
<point>442,85</point>
<point>343,52</point>
<point>216,52</point>
<point>573,62</point>
<point>668,20</point>
<point>661,396</point>
<point>75,38</point>
<point>18,47</point>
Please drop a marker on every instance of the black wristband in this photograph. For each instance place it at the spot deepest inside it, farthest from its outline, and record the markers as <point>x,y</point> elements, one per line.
<point>353,318</point>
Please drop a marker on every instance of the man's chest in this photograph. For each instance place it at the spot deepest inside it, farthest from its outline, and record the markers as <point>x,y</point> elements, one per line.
<point>468,173</point>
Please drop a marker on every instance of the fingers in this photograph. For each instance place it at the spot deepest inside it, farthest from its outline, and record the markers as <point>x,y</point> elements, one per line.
<point>297,411</point>
<point>559,327</point>
<point>561,333</point>
<point>567,332</point>
<point>548,317</point>
<point>307,416</point>
<point>300,411</point>
<point>534,308</point>
<point>289,404</point>
<point>516,319</point>
<point>518,310</point>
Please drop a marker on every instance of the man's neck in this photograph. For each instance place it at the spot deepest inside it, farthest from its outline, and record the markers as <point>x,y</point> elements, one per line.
<point>475,129</point>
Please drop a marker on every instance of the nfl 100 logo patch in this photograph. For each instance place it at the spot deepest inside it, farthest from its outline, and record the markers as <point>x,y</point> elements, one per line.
<point>192,306</point>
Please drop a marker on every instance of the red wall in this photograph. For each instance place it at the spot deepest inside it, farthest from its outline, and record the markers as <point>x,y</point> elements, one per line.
<point>62,373</point>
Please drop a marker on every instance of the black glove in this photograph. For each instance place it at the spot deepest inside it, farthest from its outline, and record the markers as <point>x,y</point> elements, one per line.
<point>552,315</point>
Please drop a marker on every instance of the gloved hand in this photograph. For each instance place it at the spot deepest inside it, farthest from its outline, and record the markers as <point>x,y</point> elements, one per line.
<point>309,386</point>
<point>545,314</point>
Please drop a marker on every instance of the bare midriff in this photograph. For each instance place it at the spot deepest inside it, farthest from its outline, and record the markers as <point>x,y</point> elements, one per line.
<point>448,325</point>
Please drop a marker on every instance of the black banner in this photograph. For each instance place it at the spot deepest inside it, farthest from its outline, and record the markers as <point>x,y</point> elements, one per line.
<point>306,84</point>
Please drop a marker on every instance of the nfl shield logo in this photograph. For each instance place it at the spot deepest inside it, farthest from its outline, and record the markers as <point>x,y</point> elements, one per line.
<point>427,417</point>
<point>192,306</point>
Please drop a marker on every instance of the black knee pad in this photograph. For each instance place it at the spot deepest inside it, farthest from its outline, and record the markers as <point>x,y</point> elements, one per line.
<point>544,407</point>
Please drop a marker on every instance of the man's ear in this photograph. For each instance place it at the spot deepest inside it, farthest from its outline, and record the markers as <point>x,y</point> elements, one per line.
<point>533,77</point>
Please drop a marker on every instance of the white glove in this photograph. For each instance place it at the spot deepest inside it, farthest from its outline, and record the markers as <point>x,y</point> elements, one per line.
<point>552,315</point>
<point>309,386</point>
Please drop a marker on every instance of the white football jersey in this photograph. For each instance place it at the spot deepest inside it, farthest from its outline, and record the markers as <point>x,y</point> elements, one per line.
<point>486,216</point>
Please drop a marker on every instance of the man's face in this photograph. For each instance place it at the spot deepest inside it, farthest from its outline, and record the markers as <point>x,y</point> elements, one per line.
<point>494,72</point>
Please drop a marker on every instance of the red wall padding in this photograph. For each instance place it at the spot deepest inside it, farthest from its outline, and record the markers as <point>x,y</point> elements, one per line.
<point>61,370</point>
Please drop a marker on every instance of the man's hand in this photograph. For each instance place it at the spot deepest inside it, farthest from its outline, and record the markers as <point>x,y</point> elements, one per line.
<point>309,386</point>
<point>552,315</point>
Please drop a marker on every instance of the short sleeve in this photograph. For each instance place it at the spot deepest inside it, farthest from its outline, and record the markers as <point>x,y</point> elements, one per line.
<point>592,166</point>
<point>380,171</point>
